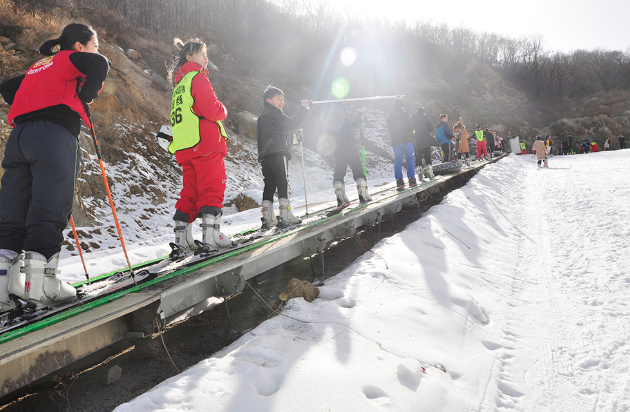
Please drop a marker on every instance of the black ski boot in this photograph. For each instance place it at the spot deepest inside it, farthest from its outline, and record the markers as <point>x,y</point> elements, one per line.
<point>400,184</point>
<point>412,182</point>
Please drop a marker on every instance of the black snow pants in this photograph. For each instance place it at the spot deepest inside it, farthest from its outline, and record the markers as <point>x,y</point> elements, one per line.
<point>345,158</point>
<point>275,170</point>
<point>41,162</point>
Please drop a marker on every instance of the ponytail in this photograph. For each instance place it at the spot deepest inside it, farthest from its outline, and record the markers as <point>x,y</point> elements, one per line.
<point>192,46</point>
<point>71,34</point>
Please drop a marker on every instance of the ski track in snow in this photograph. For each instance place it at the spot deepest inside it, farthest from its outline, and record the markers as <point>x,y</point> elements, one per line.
<point>517,283</point>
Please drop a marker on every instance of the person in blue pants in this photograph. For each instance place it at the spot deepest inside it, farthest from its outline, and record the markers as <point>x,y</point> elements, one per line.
<point>401,131</point>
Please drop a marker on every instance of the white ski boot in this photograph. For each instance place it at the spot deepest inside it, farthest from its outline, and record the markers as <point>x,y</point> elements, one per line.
<point>340,192</point>
<point>268,216</point>
<point>285,217</point>
<point>11,279</point>
<point>213,239</point>
<point>184,242</point>
<point>41,284</point>
<point>362,188</point>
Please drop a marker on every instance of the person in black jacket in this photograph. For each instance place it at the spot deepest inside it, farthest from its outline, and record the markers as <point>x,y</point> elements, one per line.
<point>401,132</point>
<point>274,151</point>
<point>41,161</point>
<point>423,136</point>
<point>487,134</point>
<point>340,130</point>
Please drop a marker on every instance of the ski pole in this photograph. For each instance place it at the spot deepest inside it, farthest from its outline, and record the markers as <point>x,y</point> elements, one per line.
<point>304,177</point>
<point>357,99</point>
<point>111,200</point>
<point>363,150</point>
<point>76,238</point>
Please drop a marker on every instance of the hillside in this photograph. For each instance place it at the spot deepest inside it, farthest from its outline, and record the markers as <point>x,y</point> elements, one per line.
<point>144,178</point>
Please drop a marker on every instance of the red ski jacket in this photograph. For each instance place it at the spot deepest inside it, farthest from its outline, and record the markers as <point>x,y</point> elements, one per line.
<point>51,81</point>
<point>209,109</point>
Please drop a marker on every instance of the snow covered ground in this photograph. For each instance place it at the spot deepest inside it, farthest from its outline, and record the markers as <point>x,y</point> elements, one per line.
<point>510,295</point>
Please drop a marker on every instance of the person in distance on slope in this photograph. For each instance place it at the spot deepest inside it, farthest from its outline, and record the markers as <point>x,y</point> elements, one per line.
<point>549,145</point>
<point>481,143</point>
<point>622,142</point>
<point>401,133</point>
<point>338,125</point>
<point>586,147</point>
<point>199,145</point>
<point>607,144</point>
<point>523,148</point>
<point>274,152</point>
<point>564,147</point>
<point>570,143</point>
<point>541,151</point>
<point>41,162</point>
<point>460,128</point>
<point>594,147</point>
<point>422,136</point>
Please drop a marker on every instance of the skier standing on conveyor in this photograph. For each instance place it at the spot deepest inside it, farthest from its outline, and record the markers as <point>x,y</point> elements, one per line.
<point>41,162</point>
<point>338,124</point>
<point>423,130</point>
<point>444,136</point>
<point>199,144</point>
<point>401,133</point>
<point>274,152</point>
<point>481,143</point>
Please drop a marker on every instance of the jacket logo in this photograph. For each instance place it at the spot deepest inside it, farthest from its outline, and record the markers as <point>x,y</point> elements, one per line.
<point>27,286</point>
<point>43,62</point>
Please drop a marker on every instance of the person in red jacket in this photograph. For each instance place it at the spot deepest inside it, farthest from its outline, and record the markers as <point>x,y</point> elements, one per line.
<point>199,144</point>
<point>41,161</point>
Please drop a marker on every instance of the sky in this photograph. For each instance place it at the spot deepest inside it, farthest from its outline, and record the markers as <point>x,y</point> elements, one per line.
<point>564,24</point>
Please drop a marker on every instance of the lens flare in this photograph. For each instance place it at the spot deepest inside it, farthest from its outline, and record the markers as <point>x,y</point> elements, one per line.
<point>348,56</point>
<point>340,88</point>
<point>326,144</point>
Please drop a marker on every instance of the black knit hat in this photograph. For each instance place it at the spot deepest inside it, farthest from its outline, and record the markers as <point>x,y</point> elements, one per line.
<point>398,103</point>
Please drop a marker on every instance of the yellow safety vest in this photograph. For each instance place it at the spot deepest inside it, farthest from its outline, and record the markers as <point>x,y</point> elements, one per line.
<point>183,119</point>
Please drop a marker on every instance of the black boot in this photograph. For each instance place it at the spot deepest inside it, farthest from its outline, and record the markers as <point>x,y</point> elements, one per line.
<point>400,184</point>
<point>412,182</point>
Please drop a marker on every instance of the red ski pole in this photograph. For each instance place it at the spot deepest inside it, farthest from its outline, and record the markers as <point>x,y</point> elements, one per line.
<point>76,238</point>
<point>111,201</point>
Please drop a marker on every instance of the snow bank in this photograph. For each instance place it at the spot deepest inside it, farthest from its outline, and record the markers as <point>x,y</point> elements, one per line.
<point>511,294</point>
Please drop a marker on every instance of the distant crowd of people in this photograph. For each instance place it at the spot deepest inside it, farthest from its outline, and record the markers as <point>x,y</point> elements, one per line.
<point>567,147</point>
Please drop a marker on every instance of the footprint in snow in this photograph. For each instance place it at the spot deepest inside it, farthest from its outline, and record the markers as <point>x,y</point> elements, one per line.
<point>329,293</point>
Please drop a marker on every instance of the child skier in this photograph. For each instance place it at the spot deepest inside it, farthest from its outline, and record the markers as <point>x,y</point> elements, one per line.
<point>41,161</point>
<point>199,144</point>
<point>274,153</point>
<point>481,143</point>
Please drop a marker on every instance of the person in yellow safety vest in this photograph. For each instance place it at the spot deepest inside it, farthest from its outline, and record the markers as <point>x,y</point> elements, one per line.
<point>199,145</point>
<point>481,143</point>
<point>594,147</point>
<point>523,148</point>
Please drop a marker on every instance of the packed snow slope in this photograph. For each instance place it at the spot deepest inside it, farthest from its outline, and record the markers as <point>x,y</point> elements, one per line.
<point>510,295</point>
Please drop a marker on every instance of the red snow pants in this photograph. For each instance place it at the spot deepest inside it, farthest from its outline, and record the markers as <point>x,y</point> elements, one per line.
<point>204,184</point>
<point>523,151</point>
<point>481,146</point>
